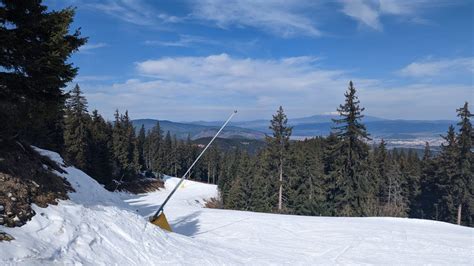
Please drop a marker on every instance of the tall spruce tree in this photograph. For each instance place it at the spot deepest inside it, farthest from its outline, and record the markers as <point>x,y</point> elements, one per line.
<point>241,189</point>
<point>354,186</point>
<point>306,194</point>
<point>463,186</point>
<point>34,50</point>
<point>427,198</point>
<point>278,145</point>
<point>123,139</point>
<point>167,154</point>
<point>101,149</point>
<point>77,135</point>
<point>154,154</point>
<point>140,146</point>
<point>446,176</point>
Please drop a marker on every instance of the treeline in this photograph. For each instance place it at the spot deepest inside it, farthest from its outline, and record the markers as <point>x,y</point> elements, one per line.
<point>340,175</point>
<point>112,152</point>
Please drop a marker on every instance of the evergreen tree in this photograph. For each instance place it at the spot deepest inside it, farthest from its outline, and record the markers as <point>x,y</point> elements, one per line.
<point>227,174</point>
<point>463,187</point>
<point>155,139</point>
<point>382,164</point>
<point>306,194</point>
<point>278,146</point>
<point>34,50</point>
<point>167,154</point>
<point>351,179</point>
<point>330,157</point>
<point>76,134</point>
<point>101,149</point>
<point>140,146</point>
<point>427,198</point>
<point>446,176</point>
<point>263,193</point>
<point>410,171</point>
<point>123,138</point>
<point>241,189</point>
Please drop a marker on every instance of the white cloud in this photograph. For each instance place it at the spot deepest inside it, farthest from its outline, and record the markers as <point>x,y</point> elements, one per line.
<point>91,46</point>
<point>441,67</point>
<point>183,41</point>
<point>92,78</point>
<point>133,11</point>
<point>282,18</point>
<point>370,12</point>
<point>195,88</point>
<point>362,11</point>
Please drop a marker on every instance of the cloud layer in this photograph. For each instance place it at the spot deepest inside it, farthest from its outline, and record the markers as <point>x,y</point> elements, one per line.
<point>194,88</point>
<point>283,18</point>
<point>440,67</point>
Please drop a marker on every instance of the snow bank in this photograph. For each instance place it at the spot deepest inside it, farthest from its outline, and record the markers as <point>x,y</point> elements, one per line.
<point>96,227</point>
<point>99,227</point>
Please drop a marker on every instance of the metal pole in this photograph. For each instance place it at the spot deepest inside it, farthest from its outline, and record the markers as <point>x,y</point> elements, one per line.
<point>192,165</point>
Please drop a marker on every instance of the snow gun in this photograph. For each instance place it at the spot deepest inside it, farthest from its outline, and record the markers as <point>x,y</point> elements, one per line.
<point>159,217</point>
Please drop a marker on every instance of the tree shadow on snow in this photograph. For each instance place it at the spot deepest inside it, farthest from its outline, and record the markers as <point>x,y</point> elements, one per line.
<point>187,225</point>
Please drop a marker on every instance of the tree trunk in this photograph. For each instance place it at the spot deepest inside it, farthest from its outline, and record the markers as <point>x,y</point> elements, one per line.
<point>459,213</point>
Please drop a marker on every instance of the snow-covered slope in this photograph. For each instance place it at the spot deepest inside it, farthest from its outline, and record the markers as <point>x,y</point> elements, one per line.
<point>96,227</point>
<point>99,227</point>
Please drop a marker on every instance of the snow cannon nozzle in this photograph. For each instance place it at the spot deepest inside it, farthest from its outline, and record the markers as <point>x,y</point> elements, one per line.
<point>235,111</point>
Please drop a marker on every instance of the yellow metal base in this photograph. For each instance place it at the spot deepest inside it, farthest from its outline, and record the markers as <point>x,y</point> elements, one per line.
<point>162,222</point>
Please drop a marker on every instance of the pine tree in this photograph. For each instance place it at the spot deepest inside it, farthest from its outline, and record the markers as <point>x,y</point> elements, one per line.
<point>352,177</point>
<point>330,157</point>
<point>154,140</point>
<point>412,171</point>
<point>306,194</point>
<point>463,187</point>
<point>176,156</point>
<point>141,147</point>
<point>34,50</point>
<point>77,134</point>
<point>167,154</point>
<point>262,193</point>
<point>101,149</point>
<point>427,198</point>
<point>446,176</point>
<point>227,174</point>
<point>123,138</point>
<point>382,164</point>
<point>241,189</point>
<point>278,146</point>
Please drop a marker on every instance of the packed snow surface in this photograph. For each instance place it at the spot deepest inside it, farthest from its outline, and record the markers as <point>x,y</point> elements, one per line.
<point>99,227</point>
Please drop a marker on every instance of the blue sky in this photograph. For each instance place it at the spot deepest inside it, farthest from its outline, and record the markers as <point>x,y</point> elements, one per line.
<point>191,60</point>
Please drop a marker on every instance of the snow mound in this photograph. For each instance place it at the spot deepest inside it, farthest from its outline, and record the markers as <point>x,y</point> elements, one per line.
<point>99,227</point>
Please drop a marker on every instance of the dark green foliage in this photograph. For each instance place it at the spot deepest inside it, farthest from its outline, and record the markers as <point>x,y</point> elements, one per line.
<point>140,148</point>
<point>101,149</point>
<point>240,193</point>
<point>77,133</point>
<point>351,176</point>
<point>34,48</point>
<point>463,186</point>
<point>306,191</point>
<point>123,139</point>
<point>277,147</point>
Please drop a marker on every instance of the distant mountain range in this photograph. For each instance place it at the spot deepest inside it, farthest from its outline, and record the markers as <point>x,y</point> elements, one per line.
<point>196,131</point>
<point>399,131</point>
